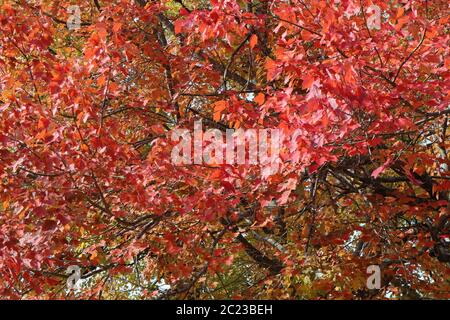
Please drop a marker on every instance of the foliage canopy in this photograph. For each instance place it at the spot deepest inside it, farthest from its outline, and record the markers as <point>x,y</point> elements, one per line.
<point>86,176</point>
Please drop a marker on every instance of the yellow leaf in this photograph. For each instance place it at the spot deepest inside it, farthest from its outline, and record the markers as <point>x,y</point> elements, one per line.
<point>5,204</point>
<point>93,255</point>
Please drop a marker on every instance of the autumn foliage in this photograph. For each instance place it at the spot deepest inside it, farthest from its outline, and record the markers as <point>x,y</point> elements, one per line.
<point>86,176</point>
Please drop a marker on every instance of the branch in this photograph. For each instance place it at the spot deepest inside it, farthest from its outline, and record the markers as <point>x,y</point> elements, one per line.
<point>410,55</point>
<point>235,52</point>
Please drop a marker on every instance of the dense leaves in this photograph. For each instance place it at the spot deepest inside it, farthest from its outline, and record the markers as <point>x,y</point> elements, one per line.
<point>87,176</point>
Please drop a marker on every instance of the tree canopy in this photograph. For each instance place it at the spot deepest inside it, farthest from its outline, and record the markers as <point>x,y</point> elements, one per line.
<point>90,92</point>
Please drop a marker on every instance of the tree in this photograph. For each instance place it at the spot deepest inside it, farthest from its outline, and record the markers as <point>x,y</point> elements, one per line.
<point>87,177</point>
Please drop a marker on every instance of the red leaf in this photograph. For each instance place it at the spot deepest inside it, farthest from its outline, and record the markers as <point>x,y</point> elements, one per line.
<point>380,170</point>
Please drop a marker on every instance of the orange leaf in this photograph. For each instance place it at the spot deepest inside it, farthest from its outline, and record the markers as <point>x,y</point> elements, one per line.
<point>217,116</point>
<point>117,26</point>
<point>260,98</point>
<point>219,106</point>
<point>253,41</point>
